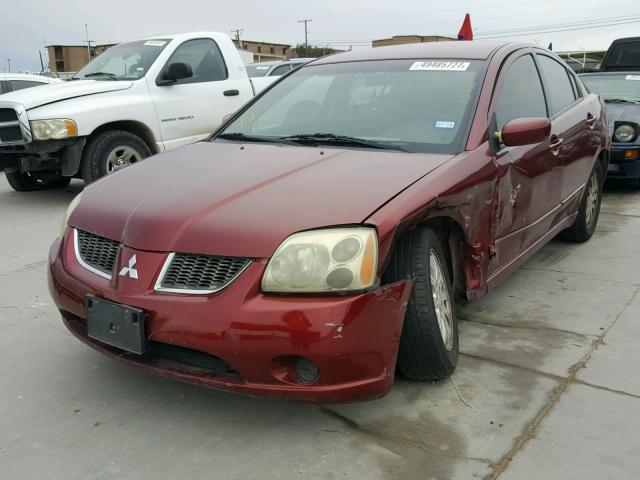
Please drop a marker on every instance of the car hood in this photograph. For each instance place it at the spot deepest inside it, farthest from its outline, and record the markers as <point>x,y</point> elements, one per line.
<point>227,199</point>
<point>55,92</point>
<point>622,112</point>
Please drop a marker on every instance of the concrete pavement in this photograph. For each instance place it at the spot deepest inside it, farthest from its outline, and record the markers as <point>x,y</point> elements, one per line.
<point>548,384</point>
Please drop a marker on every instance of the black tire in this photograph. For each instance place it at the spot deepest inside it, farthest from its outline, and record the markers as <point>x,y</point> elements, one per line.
<point>95,158</point>
<point>585,223</point>
<point>422,354</point>
<point>28,182</point>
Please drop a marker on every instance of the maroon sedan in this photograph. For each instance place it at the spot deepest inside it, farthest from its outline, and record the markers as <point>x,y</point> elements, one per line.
<point>318,241</point>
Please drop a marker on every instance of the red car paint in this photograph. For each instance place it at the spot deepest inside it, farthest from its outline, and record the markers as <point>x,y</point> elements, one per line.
<point>244,200</point>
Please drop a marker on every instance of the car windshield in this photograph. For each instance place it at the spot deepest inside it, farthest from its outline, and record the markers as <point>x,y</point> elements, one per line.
<point>412,105</point>
<point>257,70</point>
<point>127,61</point>
<point>612,87</point>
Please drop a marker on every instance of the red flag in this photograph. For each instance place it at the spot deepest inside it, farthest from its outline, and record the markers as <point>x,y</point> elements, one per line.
<point>465,32</point>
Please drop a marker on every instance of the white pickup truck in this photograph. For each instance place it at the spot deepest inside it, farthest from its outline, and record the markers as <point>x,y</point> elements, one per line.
<point>136,99</point>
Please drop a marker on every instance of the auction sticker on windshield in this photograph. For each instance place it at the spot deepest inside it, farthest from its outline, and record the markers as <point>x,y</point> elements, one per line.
<point>155,43</point>
<point>632,77</point>
<point>440,65</point>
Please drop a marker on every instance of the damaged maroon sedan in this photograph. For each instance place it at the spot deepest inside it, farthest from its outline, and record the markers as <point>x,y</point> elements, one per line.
<point>318,241</point>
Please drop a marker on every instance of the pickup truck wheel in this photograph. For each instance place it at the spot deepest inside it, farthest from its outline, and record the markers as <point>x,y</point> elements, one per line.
<point>111,151</point>
<point>28,182</point>
<point>589,210</point>
<point>429,340</point>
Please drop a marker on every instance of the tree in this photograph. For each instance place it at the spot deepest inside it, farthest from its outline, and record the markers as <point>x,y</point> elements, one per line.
<point>313,51</point>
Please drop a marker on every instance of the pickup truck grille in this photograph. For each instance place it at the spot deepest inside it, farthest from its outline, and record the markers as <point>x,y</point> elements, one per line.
<point>190,273</point>
<point>97,254</point>
<point>10,131</point>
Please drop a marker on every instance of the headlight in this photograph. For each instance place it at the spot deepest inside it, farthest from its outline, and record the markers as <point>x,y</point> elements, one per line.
<point>72,206</point>
<point>55,129</point>
<point>332,260</point>
<point>624,133</point>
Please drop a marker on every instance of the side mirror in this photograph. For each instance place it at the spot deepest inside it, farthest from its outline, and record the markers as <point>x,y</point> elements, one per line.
<point>525,131</point>
<point>174,72</point>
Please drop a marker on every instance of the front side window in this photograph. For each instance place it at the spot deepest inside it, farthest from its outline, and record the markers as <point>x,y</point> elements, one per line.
<point>204,58</point>
<point>127,61</point>
<point>521,94</point>
<point>414,105</point>
<point>559,90</point>
<point>22,84</point>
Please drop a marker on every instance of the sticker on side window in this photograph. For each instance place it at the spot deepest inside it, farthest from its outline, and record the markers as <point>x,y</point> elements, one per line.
<point>440,65</point>
<point>444,124</point>
<point>632,77</point>
<point>155,43</point>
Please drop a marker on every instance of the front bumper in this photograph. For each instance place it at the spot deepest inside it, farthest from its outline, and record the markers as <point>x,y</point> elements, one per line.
<point>60,155</point>
<point>352,339</point>
<point>621,167</point>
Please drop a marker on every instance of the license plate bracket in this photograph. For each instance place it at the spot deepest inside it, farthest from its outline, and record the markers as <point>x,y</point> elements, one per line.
<point>115,324</point>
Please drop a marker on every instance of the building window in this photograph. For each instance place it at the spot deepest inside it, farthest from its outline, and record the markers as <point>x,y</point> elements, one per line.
<point>259,49</point>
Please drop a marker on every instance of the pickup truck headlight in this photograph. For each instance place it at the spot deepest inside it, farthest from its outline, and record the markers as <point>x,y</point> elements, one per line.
<point>55,129</point>
<point>624,133</point>
<point>67,214</point>
<point>331,260</point>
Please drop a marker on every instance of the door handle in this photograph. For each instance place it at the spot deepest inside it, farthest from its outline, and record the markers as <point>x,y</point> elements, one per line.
<point>591,120</point>
<point>555,143</point>
<point>231,93</point>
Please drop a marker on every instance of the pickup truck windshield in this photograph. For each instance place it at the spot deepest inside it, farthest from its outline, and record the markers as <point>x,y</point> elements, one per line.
<point>411,105</point>
<point>615,86</point>
<point>257,70</point>
<point>127,61</point>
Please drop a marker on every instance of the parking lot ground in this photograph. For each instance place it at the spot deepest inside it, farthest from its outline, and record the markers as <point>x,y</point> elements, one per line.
<point>548,384</point>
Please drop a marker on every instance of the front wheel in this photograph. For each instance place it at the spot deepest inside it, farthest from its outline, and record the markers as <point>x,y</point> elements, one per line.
<point>429,341</point>
<point>111,151</point>
<point>589,211</point>
<point>28,182</point>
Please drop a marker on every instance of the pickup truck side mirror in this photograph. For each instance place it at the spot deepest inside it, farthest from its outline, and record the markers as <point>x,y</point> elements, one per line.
<point>174,72</point>
<point>524,131</point>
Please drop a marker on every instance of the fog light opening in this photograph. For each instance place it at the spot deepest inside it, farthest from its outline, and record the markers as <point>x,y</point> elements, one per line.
<point>306,370</point>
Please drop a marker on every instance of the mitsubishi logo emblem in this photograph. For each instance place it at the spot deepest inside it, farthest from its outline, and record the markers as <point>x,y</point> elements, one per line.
<point>130,270</point>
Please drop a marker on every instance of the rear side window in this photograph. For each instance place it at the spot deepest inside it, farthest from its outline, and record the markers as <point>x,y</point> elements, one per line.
<point>204,58</point>
<point>22,84</point>
<point>521,94</point>
<point>279,71</point>
<point>1,88</point>
<point>559,90</point>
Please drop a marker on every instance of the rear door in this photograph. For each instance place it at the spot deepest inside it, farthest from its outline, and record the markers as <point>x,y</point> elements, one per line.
<point>192,108</point>
<point>529,183</point>
<point>572,121</point>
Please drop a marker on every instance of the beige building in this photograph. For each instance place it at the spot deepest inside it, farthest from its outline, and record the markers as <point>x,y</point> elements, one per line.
<point>265,51</point>
<point>403,39</point>
<point>71,58</point>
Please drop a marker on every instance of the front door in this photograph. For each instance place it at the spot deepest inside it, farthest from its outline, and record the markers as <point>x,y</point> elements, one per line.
<point>192,108</point>
<point>529,186</point>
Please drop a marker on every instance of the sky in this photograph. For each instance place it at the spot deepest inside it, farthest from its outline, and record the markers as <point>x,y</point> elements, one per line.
<point>30,24</point>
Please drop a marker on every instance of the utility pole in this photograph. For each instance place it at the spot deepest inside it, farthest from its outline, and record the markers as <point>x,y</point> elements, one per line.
<point>88,42</point>
<point>306,35</point>
<point>238,31</point>
<point>41,62</point>
<point>9,64</point>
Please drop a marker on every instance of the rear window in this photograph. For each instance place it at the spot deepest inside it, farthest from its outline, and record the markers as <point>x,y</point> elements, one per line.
<point>419,105</point>
<point>257,70</point>
<point>622,56</point>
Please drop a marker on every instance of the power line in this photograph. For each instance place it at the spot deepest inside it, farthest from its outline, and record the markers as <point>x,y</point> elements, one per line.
<point>535,32</point>
<point>558,25</point>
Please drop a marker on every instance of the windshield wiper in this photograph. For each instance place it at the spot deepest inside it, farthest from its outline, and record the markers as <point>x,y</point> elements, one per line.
<point>621,100</point>
<point>111,76</point>
<point>241,137</point>
<point>342,140</point>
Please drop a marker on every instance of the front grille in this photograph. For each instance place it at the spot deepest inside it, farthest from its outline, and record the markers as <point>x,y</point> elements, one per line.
<point>10,131</point>
<point>201,273</point>
<point>97,252</point>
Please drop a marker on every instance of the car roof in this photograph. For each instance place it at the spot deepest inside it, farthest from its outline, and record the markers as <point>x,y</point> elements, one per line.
<point>26,76</point>
<point>468,50</point>
<point>608,72</point>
